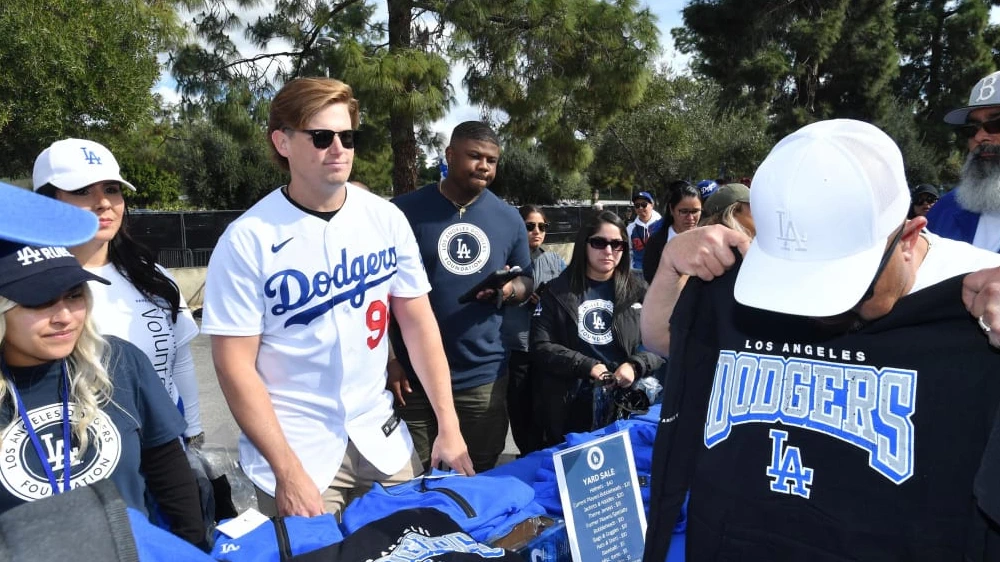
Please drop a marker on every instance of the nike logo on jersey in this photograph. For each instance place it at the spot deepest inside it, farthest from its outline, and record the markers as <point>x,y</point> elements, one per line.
<point>295,290</point>
<point>275,248</point>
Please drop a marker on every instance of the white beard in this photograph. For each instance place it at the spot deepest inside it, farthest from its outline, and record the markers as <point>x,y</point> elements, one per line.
<point>979,188</point>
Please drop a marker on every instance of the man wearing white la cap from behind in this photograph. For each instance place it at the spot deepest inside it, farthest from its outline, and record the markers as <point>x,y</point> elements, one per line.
<point>830,397</point>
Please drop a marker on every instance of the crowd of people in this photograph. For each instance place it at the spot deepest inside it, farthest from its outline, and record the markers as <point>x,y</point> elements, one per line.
<point>788,319</point>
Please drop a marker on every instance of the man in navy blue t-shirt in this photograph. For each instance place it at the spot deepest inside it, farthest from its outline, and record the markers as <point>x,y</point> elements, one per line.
<point>465,232</point>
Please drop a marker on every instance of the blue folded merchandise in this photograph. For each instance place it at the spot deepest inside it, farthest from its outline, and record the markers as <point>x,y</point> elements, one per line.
<point>484,506</point>
<point>278,539</point>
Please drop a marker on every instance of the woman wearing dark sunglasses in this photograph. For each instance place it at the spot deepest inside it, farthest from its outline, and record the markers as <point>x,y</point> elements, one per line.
<point>586,330</point>
<point>923,197</point>
<point>516,327</point>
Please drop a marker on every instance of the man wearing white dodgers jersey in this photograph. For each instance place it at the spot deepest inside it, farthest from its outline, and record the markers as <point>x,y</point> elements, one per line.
<point>297,300</point>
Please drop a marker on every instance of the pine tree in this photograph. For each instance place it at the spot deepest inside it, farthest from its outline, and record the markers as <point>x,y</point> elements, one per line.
<point>559,69</point>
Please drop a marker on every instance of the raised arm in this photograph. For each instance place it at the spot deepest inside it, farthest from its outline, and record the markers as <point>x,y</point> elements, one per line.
<point>705,252</point>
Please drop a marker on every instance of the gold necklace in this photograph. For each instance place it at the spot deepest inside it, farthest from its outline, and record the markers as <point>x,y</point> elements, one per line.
<point>461,208</point>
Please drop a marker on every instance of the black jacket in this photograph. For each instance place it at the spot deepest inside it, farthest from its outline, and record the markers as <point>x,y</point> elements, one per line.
<point>560,369</point>
<point>797,443</point>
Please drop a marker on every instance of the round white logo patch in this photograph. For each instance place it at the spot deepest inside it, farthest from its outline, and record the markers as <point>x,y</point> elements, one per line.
<point>594,319</point>
<point>463,248</point>
<point>21,472</point>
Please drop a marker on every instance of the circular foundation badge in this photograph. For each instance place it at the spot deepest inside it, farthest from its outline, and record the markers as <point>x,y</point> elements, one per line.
<point>463,249</point>
<point>594,320</point>
<point>21,471</point>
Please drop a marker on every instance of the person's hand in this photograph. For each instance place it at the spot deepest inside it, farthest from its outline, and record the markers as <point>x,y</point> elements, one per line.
<point>296,494</point>
<point>450,448</point>
<point>625,375</point>
<point>597,371</point>
<point>396,381</point>
<point>488,295</point>
<point>981,296</point>
<point>704,252</point>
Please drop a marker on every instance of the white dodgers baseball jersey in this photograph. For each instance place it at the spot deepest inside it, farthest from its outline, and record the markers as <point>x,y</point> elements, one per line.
<point>317,292</point>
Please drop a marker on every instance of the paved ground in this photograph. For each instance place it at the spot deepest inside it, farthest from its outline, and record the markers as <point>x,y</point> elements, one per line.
<point>220,428</point>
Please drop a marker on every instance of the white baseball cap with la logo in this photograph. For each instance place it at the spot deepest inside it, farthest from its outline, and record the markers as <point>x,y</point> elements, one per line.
<point>72,164</point>
<point>825,202</point>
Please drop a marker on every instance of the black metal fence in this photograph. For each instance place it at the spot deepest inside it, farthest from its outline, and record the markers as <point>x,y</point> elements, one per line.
<point>186,239</point>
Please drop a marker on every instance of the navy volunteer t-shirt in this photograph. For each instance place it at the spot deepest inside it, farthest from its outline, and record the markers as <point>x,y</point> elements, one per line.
<point>140,415</point>
<point>458,252</point>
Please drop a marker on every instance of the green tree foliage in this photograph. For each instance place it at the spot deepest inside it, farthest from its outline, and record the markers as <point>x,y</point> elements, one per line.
<point>76,68</point>
<point>524,175</point>
<point>678,131</point>
<point>946,49</point>
<point>222,153</point>
<point>922,163</point>
<point>560,69</point>
<point>795,61</point>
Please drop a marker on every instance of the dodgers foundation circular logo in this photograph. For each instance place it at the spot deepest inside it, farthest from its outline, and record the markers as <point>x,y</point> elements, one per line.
<point>21,471</point>
<point>595,458</point>
<point>594,319</point>
<point>463,248</point>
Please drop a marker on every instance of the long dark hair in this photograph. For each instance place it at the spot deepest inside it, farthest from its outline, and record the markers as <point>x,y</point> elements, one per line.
<point>678,194</point>
<point>628,288</point>
<point>136,263</point>
<point>526,210</point>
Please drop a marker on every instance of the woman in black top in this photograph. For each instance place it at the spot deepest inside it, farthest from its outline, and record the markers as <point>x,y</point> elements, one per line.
<point>586,330</point>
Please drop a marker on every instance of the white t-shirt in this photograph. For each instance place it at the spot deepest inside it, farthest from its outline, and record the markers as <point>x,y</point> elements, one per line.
<point>947,258</point>
<point>671,233</point>
<point>988,232</point>
<point>121,310</point>
<point>317,293</point>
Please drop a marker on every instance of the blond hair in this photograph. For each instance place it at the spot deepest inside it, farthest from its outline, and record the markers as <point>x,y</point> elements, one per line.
<point>299,100</point>
<point>726,217</point>
<point>90,386</point>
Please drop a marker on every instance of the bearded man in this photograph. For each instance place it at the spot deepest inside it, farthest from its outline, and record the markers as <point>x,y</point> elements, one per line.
<point>971,212</point>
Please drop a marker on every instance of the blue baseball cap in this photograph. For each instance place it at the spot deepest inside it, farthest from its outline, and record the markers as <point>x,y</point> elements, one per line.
<point>34,275</point>
<point>707,187</point>
<point>643,195</point>
<point>37,220</point>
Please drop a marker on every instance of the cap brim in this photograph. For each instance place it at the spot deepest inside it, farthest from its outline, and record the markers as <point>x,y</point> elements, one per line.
<point>36,220</point>
<point>73,182</point>
<point>36,290</point>
<point>805,288</point>
<point>961,115</point>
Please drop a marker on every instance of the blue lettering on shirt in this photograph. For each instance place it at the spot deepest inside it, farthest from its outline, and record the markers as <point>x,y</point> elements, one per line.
<point>295,290</point>
<point>858,404</point>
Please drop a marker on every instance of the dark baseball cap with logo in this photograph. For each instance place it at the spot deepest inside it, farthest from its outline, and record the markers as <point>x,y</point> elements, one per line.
<point>986,93</point>
<point>33,275</point>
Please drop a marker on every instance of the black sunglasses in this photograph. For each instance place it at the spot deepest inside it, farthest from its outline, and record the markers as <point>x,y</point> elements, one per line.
<point>885,261</point>
<point>991,126</point>
<point>926,198</point>
<point>323,138</point>
<point>599,243</point>
<point>641,205</point>
<point>542,226</point>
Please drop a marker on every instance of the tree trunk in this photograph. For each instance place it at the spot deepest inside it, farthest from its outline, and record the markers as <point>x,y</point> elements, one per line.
<point>401,134</point>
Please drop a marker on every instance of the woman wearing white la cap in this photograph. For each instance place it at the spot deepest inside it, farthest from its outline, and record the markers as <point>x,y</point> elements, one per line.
<point>143,304</point>
<point>76,408</point>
